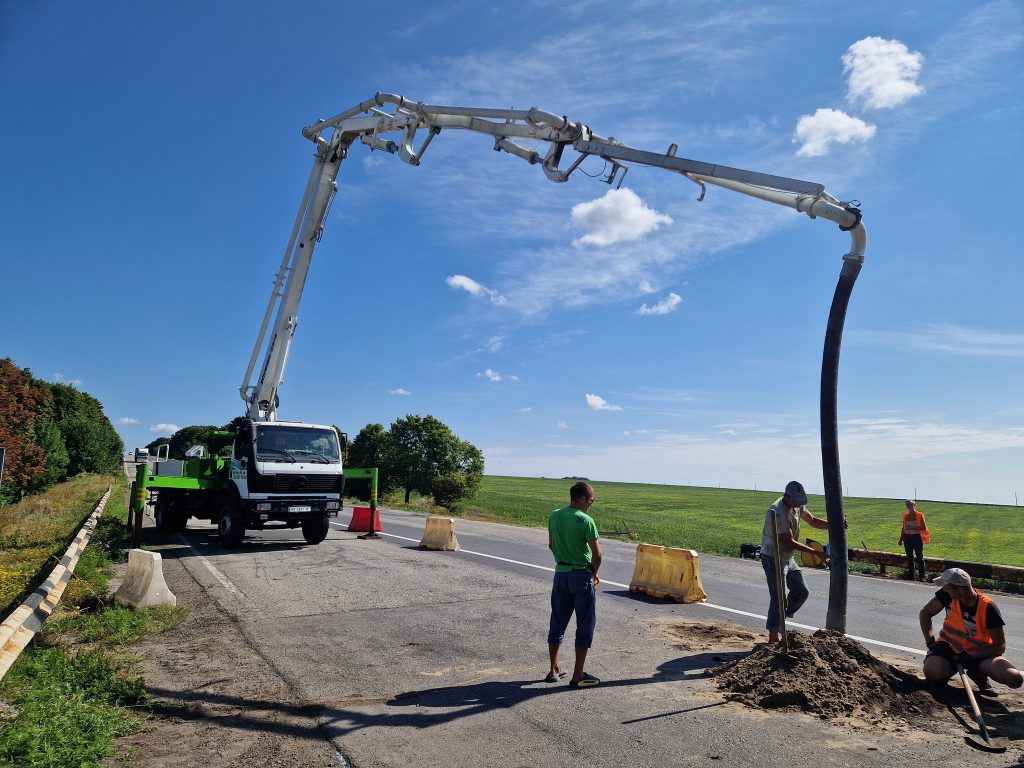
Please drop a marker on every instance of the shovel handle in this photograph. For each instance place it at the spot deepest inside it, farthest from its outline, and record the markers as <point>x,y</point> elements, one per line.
<point>974,704</point>
<point>780,590</point>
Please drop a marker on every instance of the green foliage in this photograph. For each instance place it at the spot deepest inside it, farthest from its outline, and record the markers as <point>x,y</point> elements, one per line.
<point>51,432</point>
<point>449,488</point>
<point>371,448</point>
<point>717,521</point>
<point>204,435</point>
<point>49,438</point>
<point>422,449</point>
<point>114,625</point>
<point>93,444</point>
<point>418,454</point>
<point>70,708</point>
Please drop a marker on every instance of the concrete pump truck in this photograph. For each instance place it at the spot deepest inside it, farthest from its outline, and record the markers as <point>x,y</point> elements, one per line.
<point>279,473</point>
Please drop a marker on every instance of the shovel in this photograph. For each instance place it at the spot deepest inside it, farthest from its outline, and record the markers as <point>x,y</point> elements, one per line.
<point>780,591</point>
<point>986,743</point>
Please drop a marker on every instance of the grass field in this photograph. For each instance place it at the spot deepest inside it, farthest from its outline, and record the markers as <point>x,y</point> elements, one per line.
<point>718,520</point>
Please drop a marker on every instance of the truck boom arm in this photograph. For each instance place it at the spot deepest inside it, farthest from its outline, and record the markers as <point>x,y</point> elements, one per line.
<point>372,121</point>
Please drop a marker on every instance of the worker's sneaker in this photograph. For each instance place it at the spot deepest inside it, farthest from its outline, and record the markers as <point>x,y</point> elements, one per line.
<point>984,685</point>
<point>985,688</point>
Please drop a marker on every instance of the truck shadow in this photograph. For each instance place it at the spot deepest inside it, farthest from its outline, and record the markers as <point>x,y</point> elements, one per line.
<point>206,543</point>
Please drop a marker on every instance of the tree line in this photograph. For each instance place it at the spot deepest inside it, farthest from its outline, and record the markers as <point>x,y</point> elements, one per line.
<point>50,432</point>
<point>416,453</point>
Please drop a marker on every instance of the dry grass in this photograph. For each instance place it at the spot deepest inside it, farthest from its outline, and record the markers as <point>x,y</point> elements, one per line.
<point>35,532</point>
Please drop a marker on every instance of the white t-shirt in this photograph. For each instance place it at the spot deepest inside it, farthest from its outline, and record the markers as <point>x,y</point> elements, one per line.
<point>786,519</point>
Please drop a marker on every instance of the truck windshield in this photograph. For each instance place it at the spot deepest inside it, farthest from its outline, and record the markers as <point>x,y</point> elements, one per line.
<point>291,444</point>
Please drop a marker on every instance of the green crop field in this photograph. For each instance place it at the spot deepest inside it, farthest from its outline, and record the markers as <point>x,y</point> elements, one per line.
<point>718,520</point>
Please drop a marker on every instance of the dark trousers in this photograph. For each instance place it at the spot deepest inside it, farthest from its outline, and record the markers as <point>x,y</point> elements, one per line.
<point>914,547</point>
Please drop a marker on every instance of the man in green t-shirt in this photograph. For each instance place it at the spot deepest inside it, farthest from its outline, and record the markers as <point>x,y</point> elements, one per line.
<point>572,539</point>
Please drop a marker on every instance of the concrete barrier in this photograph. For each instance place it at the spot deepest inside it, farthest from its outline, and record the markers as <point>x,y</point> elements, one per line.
<point>20,627</point>
<point>668,572</point>
<point>440,534</point>
<point>144,585</point>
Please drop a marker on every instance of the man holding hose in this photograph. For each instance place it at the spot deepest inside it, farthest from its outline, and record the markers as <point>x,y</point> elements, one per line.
<point>788,510</point>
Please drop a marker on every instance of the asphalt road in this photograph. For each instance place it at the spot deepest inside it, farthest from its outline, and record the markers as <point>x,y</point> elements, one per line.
<point>436,658</point>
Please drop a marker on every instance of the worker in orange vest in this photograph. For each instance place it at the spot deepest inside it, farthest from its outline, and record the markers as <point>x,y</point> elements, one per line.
<point>913,536</point>
<point>971,636</point>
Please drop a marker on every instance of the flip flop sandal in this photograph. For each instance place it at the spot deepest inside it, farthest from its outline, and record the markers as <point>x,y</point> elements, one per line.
<point>554,678</point>
<point>587,681</point>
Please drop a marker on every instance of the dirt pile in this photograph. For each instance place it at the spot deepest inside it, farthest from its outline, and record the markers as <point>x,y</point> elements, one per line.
<point>832,676</point>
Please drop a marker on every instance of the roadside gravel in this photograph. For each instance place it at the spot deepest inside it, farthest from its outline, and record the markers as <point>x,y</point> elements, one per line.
<point>216,702</point>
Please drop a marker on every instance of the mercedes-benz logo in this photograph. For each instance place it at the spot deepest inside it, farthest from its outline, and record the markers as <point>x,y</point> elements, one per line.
<point>301,483</point>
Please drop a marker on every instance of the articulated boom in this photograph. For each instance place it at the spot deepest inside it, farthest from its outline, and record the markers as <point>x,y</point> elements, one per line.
<point>373,120</point>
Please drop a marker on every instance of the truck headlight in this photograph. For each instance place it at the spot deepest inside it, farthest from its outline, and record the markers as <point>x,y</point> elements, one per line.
<point>263,506</point>
<point>332,505</point>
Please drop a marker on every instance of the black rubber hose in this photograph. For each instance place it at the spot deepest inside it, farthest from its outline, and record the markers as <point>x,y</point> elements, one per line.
<point>838,577</point>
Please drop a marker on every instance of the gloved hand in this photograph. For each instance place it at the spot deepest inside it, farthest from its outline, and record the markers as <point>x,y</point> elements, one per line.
<point>933,646</point>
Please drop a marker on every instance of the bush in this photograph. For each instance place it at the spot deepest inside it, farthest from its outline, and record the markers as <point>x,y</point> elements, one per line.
<point>449,488</point>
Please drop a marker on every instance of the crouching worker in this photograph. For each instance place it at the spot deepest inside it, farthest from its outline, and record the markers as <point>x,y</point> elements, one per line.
<point>971,636</point>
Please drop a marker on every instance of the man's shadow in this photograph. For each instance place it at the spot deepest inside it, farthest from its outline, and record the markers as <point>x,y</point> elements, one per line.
<point>435,706</point>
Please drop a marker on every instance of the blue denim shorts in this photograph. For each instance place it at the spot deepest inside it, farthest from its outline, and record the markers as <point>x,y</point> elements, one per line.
<point>571,592</point>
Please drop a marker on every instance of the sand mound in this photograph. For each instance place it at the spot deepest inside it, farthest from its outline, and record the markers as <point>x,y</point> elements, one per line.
<point>833,676</point>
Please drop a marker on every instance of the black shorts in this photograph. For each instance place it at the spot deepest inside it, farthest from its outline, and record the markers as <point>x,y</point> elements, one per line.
<point>943,650</point>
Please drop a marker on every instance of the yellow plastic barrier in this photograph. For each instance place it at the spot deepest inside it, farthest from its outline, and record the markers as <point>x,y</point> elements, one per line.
<point>440,534</point>
<point>668,572</point>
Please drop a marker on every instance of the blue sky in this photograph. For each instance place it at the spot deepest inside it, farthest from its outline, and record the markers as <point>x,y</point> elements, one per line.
<point>153,163</point>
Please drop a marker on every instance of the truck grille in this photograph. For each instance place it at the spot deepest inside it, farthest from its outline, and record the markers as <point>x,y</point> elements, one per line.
<point>306,483</point>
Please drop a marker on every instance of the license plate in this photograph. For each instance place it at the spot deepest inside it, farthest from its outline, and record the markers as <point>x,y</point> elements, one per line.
<point>300,509</point>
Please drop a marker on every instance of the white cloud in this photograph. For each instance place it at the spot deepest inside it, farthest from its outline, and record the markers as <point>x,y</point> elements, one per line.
<point>399,391</point>
<point>817,132</point>
<point>472,287</point>
<point>494,344</point>
<point>950,339</point>
<point>883,73</point>
<point>619,216</point>
<point>59,378</point>
<point>527,409</point>
<point>125,421</point>
<point>492,375</point>
<point>371,161</point>
<point>563,425</point>
<point>645,287</point>
<point>600,404</point>
<point>165,428</point>
<point>881,457</point>
<point>663,307</point>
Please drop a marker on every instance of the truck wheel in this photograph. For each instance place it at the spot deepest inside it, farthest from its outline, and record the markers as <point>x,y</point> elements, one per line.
<point>162,514</point>
<point>230,528</point>
<point>315,531</point>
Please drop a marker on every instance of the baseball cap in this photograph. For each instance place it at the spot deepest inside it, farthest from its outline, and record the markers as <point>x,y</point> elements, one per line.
<point>796,493</point>
<point>955,576</point>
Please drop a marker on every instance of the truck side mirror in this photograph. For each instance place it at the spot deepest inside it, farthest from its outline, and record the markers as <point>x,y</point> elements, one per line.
<point>344,441</point>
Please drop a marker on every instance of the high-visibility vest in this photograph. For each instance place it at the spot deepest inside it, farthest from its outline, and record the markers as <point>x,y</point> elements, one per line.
<point>954,630</point>
<point>916,525</point>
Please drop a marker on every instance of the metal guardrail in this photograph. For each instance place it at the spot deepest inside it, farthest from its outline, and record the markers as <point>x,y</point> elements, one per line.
<point>937,565</point>
<point>20,627</point>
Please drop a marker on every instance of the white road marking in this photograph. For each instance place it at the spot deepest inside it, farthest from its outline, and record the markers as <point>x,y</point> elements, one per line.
<point>212,569</point>
<point>859,639</point>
